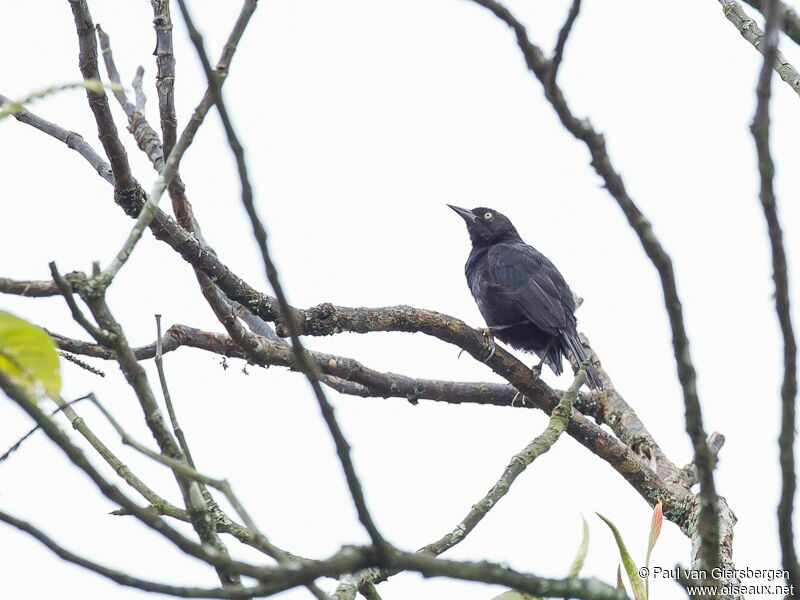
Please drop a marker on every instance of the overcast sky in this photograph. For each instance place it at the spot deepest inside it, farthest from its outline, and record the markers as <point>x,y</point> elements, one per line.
<point>361,120</point>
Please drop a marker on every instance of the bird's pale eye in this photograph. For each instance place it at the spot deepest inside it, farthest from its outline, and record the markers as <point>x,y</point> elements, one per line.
<point>487,216</point>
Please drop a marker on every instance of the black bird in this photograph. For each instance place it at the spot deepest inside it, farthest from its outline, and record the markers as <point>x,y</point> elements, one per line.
<point>523,298</point>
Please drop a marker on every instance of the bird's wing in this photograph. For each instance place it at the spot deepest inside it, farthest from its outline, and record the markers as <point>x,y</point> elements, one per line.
<point>524,276</point>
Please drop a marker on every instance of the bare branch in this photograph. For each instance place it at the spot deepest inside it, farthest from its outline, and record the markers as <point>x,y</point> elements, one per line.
<point>595,142</point>
<point>146,138</point>
<point>76,361</point>
<point>182,467</point>
<point>101,335</point>
<point>112,574</point>
<point>165,77</point>
<point>73,140</point>
<point>790,20</point>
<point>761,134</point>
<point>114,338</point>
<point>559,419</point>
<point>126,189</point>
<point>753,34</point>
<point>162,378</point>
<point>589,589</point>
<point>326,319</point>
<point>558,52</point>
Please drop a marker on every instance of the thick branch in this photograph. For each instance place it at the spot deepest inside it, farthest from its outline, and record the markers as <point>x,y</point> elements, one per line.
<point>326,318</point>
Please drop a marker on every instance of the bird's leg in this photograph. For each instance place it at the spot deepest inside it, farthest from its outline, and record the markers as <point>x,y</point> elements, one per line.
<point>537,369</point>
<point>544,355</point>
<point>488,333</point>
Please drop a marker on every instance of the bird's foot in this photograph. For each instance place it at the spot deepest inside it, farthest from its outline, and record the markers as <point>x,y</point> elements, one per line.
<point>489,335</point>
<point>537,370</point>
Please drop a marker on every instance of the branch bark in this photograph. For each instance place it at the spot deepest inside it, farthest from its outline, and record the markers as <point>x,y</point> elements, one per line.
<point>761,134</point>
<point>752,33</point>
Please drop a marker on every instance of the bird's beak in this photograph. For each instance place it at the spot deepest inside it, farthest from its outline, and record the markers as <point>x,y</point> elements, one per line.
<point>464,213</point>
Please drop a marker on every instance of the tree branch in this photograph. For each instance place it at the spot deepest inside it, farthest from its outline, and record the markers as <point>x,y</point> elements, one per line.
<point>761,134</point>
<point>112,574</point>
<point>752,33</point>
<point>563,34</point>
<point>145,136</point>
<point>165,77</point>
<point>114,338</point>
<point>327,318</point>
<point>126,189</point>
<point>790,20</point>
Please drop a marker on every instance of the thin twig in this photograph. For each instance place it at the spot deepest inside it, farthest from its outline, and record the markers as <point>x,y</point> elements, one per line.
<point>201,520</point>
<point>145,136</point>
<point>73,140</point>
<point>126,189</point>
<point>114,575</point>
<point>342,447</point>
<point>761,134</point>
<point>162,378</point>
<point>16,445</point>
<point>102,336</point>
<point>83,365</point>
<point>182,467</point>
<point>563,34</point>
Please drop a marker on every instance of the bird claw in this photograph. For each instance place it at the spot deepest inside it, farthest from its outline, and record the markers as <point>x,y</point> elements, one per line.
<point>489,335</point>
<point>537,371</point>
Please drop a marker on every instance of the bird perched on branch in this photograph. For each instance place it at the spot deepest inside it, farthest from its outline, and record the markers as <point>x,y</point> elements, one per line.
<point>523,298</point>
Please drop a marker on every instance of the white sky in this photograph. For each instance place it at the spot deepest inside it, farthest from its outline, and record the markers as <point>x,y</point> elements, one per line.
<point>360,121</point>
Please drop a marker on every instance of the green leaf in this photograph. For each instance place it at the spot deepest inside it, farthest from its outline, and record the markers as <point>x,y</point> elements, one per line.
<point>577,564</point>
<point>620,585</point>
<point>637,586</point>
<point>28,354</point>
<point>515,595</point>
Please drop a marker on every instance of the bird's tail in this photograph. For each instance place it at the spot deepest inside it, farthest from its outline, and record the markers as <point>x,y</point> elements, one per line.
<point>575,346</point>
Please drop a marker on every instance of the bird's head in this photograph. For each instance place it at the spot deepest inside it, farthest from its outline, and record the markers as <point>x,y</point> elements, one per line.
<point>486,226</point>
